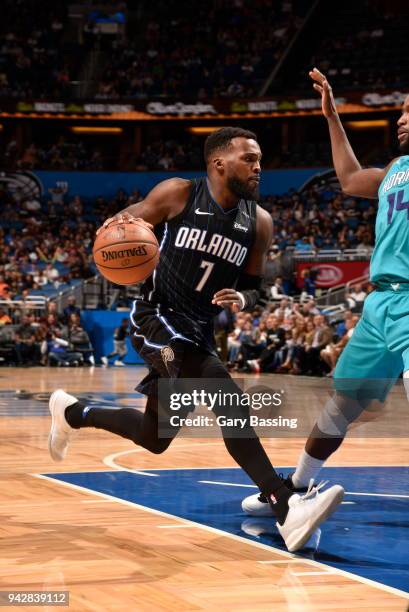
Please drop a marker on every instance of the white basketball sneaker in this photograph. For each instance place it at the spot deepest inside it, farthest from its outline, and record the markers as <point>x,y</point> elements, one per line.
<point>307,512</point>
<point>61,431</point>
<point>258,504</point>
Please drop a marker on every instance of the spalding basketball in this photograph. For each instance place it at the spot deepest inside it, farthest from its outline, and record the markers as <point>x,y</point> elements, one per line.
<point>126,253</point>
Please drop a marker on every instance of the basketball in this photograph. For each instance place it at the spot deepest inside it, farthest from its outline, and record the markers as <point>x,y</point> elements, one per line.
<point>126,253</point>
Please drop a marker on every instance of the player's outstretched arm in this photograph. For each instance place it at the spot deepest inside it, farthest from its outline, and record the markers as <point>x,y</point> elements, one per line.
<point>163,202</point>
<point>353,178</point>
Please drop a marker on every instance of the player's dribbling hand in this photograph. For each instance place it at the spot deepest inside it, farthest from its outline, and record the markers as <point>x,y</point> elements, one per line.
<point>324,88</point>
<point>123,218</point>
<point>227,297</point>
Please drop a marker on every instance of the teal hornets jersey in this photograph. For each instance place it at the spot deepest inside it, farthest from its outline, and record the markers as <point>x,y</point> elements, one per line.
<point>390,258</point>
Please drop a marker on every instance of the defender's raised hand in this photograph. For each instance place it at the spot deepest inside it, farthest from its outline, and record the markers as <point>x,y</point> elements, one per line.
<point>324,88</point>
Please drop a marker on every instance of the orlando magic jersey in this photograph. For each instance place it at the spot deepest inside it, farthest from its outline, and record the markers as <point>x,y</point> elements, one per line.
<point>202,250</point>
<point>390,258</point>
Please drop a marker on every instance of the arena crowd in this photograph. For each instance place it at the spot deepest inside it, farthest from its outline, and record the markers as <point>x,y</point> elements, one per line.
<point>38,256</point>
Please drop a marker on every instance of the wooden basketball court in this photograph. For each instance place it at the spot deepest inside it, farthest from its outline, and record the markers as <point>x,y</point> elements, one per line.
<point>111,553</point>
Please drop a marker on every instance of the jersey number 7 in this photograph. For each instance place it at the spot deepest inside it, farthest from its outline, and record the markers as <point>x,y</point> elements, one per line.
<point>208,267</point>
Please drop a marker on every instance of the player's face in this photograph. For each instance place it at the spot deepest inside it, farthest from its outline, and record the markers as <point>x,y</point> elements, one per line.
<point>242,163</point>
<point>403,128</point>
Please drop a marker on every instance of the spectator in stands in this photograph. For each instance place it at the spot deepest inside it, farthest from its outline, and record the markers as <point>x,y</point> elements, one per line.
<point>341,328</point>
<point>277,290</point>
<point>4,288</point>
<point>366,244</point>
<point>59,353</point>
<point>27,346</point>
<point>273,265</point>
<point>79,339</point>
<point>40,278</point>
<point>331,353</point>
<point>275,340</point>
<point>309,284</point>
<point>233,340</point>
<point>4,317</point>
<point>291,363</point>
<point>252,346</point>
<point>71,308</point>
<point>58,194</point>
<point>309,308</point>
<point>60,255</point>
<point>284,310</point>
<point>306,243</point>
<point>52,309</point>
<point>356,297</point>
<point>322,336</point>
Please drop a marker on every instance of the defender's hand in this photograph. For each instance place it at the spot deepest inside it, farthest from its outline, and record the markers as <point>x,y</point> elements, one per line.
<point>123,218</point>
<point>327,97</point>
<point>228,297</point>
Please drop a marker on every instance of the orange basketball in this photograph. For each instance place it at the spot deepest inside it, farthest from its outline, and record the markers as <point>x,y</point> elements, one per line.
<point>126,253</point>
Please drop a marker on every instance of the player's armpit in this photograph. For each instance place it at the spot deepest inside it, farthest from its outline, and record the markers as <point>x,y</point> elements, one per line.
<point>365,183</point>
<point>264,234</point>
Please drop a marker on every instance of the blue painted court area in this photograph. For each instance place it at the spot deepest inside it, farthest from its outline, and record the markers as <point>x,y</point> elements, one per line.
<point>367,536</point>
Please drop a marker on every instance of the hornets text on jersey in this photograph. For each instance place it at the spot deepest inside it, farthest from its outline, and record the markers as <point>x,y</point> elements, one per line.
<point>202,250</point>
<point>390,258</point>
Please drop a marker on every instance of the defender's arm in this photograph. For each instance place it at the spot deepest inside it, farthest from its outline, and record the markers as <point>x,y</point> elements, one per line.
<point>353,178</point>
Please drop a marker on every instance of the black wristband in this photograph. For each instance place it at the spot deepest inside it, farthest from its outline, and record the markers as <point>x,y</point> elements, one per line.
<point>249,286</point>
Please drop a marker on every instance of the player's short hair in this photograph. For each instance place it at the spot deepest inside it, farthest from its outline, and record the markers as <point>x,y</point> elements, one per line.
<point>221,139</point>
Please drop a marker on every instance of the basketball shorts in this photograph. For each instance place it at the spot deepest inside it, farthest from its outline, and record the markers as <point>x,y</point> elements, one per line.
<point>120,347</point>
<point>378,351</point>
<point>161,335</point>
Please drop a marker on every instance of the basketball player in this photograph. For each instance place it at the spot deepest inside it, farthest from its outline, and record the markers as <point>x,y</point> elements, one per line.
<point>213,243</point>
<point>378,351</point>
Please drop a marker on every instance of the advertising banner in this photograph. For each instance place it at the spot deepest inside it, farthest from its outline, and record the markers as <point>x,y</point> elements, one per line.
<point>332,273</point>
<point>219,108</point>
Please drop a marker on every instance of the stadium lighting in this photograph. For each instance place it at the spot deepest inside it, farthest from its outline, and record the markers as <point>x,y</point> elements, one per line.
<point>204,129</point>
<point>367,125</point>
<point>80,129</point>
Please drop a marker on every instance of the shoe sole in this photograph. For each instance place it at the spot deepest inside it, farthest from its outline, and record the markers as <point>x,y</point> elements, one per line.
<point>264,510</point>
<point>51,406</point>
<point>326,513</point>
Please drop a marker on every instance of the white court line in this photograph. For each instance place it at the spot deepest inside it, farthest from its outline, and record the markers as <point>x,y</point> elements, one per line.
<point>377,495</point>
<point>109,460</point>
<point>235,484</point>
<point>228,484</point>
<point>237,538</point>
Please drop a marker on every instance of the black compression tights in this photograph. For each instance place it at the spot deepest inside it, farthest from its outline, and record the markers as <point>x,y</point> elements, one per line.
<point>142,428</point>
